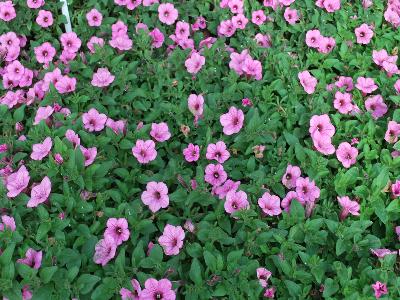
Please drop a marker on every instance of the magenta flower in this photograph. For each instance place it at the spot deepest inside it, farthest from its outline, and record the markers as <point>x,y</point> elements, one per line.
<point>105,250</point>
<point>346,154</point>
<point>191,153</point>
<point>93,120</point>
<point>102,78</point>
<point>308,82</point>
<point>321,127</point>
<point>155,196</point>
<point>32,259</point>
<point>144,151</point>
<point>160,132</point>
<point>7,223</point>
<point>89,154</point>
<point>376,106</point>
<point>226,28</point>
<point>17,182</point>
<point>194,63</point>
<point>154,289</point>
<point>379,289</point>
<point>40,151</point>
<point>218,152</point>
<point>343,102</point>
<point>306,190</point>
<point>232,121</point>
<point>44,18</point>
<point>364,34</point>
<point>326,44</point>
<point>167,13</point>
<point>395,188</point>
<point>172,239</point>
<point>290,176</point>
<point>366,85</point>
<point>117,229</point>
<point>195,104</point>
<point>131,295</point>
<point>94,18</point>
<point>348,207</point>
<point>263,275</point>
<point>40,193</point>
<point>182,30</point>
<point>270,204</point>
<point>287,201</point>
<point>215,174</point>
<point>236,201</point>
<point>228,186</point>
<point>270,292</point>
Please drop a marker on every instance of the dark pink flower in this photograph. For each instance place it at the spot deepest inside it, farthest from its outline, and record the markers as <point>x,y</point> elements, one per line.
<point>118,230</point>
<point>379,289</point>
<point>290,176</point>
<point>154,289</point>
<point>215,174</point>
<point>348,207</point>
<point>131,295</point>
<point>263,275</point>
<point>191,152</point>
<point>144,151</point>
<point>32,259</point>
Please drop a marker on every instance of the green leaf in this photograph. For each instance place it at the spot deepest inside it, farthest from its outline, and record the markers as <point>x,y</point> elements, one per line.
<point>47,273</point>
<point>86,283</point>
<point>195,272</point>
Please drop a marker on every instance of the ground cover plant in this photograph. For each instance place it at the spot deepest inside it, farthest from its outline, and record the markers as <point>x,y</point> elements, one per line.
<point>233,149</point>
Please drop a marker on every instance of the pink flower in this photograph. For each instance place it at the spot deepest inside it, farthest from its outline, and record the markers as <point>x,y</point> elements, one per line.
<point>58,159</point>
<point>346,82</point>
<point>105,250</point>
<point>17,182</point>
<point>116,126</point>
<point>93,120</point>
<point>246,102</point>
<point>239,21</point>
<point>324,145</point>
<point>308,82</point>
<point>270,204</point>
<point>376,106</point>
<point>367,3</point>
<point>379,289</point>
<point>215,174</point>
<point>321,127</point>
<point>346,154</point>
<point>270,293</point>
<point>258,17</point>
<point>160,132</point>
<point>306,190</point>
<point>343,103</point>
<point>172,239</point>
<point>131,295</point>
<point>291,175</point>
<point>35,3</point>
<point>200,23</point>
<point>397,86</point>
<point>397,230</point>
<point>393,132</point>
<point>70,42</point>
<point>89,154</point>
<point>117,229</point>
<point>167,13</point>
<point>291,16</point>
<point>366,85</point>
<point>155,196</point>
<point>154,289</point>
<point>32,259</point>
<point>228,186</point>
<point>263,275</point>
<point>7,223</point>
<point>195,104</point>
<point>226,28</point>
<point>144,151</point>
<point>232,121</point>
<point>7,11</point>
<point>44,18</point>
<point>121,42</point>
<point>102,78</point>
<point>191,153</point>
<point>348,207</point>
<point>326,44</point>
<point>236,201</point>
<point>15,70</point>
<point>364,34</point>
<point>94,40</point>
<point>40,193</point>
<point>218,152</point>
<point>42,114</point>
<point>73,137</point>
<point>194,63</point>
<point>157,37</point>
<point>236,6</point>
<point>94,18</point>
<point>39,151</point>
<point>287,201</point>
<point>313,38</point>
<point>182,30</point>
<point>381,253</point>
<point>65,85</point>
<point>331,5</point>
<point>395,188</point>
<point>3,148</point>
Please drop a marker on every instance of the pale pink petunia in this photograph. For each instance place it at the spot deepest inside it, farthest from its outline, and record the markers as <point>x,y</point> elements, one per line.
<point>194,63</point>
<point>232,121</point>
<point>321,127</point>
<point>239,21</point>
<point>65,85</point>
<point>73,137</point>
<point>343,102</point>
<point>160,132</point>
<point>324,145</point>
<point>167,13</point>
<point>105,250</point>
<point>346,154</point>
<point>7,222</point>
<point>191,153</point>
<point>263,275</point>
<point>157,37</point>
<point>32,259</point>
<point>348,207</point>
<point>218,152</point>
<point>376,106</point>
<point>307,190</point>
<point>291,15</point>
<point>44,18</point>
<point>144,151</point>
<point>195,104</point>
<point>290,176</point>
<point>215,174</point>
<point>382,252</point>
<point>313,38</point>
<point>40,193</point>
<point>308,82</point>
<point>228,186</point>
<point>258,17</point>
<point>364,34</point>
<point>89,155</point>
<point>154,289</point>
<point>127,294</point>
<point>155,196</point>
<point>40,151</point>
<point>287,201</point>
<point>102,78</point>
<point>366,85</point>
<point>16,182</point>
<point>270,204</point>
<point>172,239</point>
<point>393,132</point>
<point>117,229</point>
<point>93,120</point>
<point>70,42</point>
<point>236,201</point>
<point>94,18</point>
